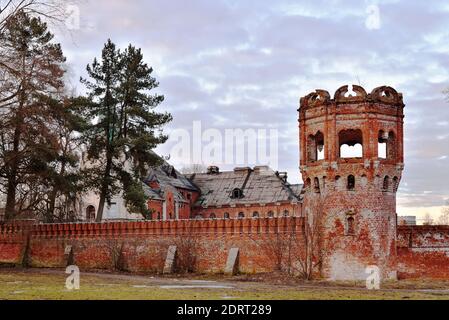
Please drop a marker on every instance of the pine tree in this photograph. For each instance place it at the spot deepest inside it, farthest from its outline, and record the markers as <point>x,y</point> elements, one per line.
<point>125,127</point>
<point>31,73</point>
<point>62,182</point>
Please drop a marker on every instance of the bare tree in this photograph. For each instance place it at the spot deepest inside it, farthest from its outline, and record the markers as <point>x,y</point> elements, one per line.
<point>444,217</point>
<point>115,249</point>
<point>187,251</point>
<point>278,247</point>
<point>54,10</point>
<point>298,249</point>
<point>427,221</point>
<point>311,251</point>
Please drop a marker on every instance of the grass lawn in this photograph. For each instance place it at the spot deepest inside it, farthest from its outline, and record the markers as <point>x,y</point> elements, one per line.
<point>50,284</point>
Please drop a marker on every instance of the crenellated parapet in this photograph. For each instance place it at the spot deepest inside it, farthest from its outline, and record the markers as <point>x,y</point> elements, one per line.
<point>382,94</point>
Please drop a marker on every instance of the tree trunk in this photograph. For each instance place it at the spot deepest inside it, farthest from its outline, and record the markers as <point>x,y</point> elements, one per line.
<point>53,195</point>
<point>104,188</point>
<point>51,210</point>
<point>10,209</point>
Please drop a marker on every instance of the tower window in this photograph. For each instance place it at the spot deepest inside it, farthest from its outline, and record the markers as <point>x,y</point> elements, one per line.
<point>241,215</point>
<point>382,145</point>
<point>226,215</point>
<point>386,184</point>
<point>286,213</point>
<point>351,182</point>
<point>212,216</point>
<point>316,185</point>
<point>255,214</point>
<point>350,223</point>
<point>391,146</point>
<point>387,145</point>
<point>315,147</point>
<point>351,143</point>
<point>308,183</point>
<point>270,214</point>
<point>395,184</point>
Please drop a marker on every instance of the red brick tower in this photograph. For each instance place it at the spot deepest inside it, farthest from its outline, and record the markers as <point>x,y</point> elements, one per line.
<point>352,159</point>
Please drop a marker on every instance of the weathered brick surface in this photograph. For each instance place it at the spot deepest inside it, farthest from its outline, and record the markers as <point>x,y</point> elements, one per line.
<point>278,210</point>
<point>12,244</point>
<point>143,245</point>
<point>364,201</point>
<point>423,251</point>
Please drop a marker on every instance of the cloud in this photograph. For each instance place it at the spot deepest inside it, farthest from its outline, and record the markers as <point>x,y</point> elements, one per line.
<point>244,64</point>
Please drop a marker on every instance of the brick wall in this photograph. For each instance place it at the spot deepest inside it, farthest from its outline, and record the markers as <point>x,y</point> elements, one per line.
<point>423,251</point>
<point>142,246</point>
<point>278,210</point>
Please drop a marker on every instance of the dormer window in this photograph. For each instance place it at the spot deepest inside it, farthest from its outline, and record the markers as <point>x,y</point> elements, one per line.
<point>237,193</point>
<point>170,171</point>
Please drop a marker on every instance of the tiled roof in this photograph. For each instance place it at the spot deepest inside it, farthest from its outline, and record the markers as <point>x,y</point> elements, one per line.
<point>167,175</point>
<point>260,185</point>
<point>168,178</point>
<point>151,194</point>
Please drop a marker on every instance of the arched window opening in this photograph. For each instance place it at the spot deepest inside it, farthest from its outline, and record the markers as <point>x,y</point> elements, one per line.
<point>350,225</point>
<point>308,183</point>
<point>199,217</point>
<point>351,182</point>
<point>316,185</point>
<point>226,215</point>
<point>395,184</point>
<point>391,146</point>
<point>270,214</point>
<point>350,143</point>
<point>241,215</point>
<point>319,140</point>
<point>382,145</point>
<point>386,184</point>
<point>311,148</point>
<point>255,214</point>
<point>286,213</point>
<point>159,216</point>
<point>90,213</point>
<point>315,147</point>
<point>212,216</point>
<point>237,193</point>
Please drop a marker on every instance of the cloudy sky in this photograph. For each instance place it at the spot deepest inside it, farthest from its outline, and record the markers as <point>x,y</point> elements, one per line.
<point>244,64</point>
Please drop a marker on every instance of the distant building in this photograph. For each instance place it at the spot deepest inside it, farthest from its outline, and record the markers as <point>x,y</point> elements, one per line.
<point>241,193</point>
<point>407,220</point>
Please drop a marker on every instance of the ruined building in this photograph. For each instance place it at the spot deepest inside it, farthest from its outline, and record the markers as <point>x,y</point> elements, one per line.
<point>341,221</point>
<point>358,193</point>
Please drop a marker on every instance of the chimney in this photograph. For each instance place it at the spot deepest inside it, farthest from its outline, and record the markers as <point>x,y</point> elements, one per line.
<point>213,170</point>
<point>282,176</point>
